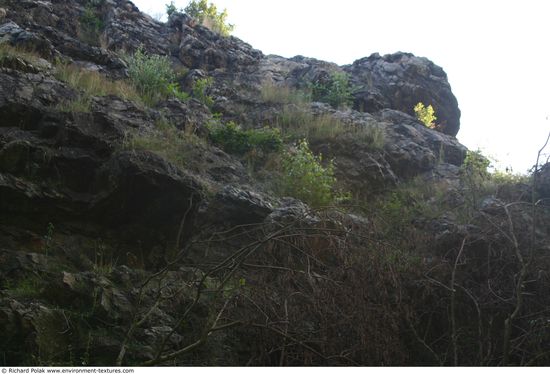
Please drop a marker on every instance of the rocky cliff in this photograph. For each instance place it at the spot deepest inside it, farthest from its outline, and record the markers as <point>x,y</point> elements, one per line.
<point>128,235</point>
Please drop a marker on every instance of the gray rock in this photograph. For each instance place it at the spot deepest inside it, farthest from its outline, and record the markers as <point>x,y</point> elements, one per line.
<point>401,80</point>
<point>413,149</point>
<point>13,34</point>
<point>234,206</point>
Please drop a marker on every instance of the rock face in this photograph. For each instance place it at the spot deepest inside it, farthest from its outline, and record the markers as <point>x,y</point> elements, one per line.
<point>128,236</point>
<point>401,80</point>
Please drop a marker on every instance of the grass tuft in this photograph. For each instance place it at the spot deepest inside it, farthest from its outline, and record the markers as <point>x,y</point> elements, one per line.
<point>283,94</point>
<point>165,140</point>
<point>298,123</point>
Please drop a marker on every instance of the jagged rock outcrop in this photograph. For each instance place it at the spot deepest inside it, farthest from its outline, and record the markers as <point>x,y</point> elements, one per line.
<point>401,80</point>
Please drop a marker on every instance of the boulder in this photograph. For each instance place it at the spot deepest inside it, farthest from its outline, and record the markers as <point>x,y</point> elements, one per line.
<point>201,48</point>
<point>413,149</point>
<point>401,80</point>
<point>234,206</point>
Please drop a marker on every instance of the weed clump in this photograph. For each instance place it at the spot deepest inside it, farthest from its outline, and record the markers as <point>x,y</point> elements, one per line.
<point>336,90</point>
<point>305,178</point>
<point>151,75</point>
<point>231,138</point>
<point>200,91</point>
<point>90,25</point>
<point>283,94</point>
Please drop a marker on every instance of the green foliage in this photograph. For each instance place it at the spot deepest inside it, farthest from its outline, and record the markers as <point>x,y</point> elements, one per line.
<point>200,91</point>
<point>474,175</point>
<point>475,165</point>
<point>208,15</point>
<point>174,90</point>
<point>170,8</point>
<point>305,178</point>
<point>335,91</point>
<point>151,75</point>
<point>426,115</point>
<point>28,287</point>
<point>508,178</point>
<point>90,25</point>
<point>231,138</point>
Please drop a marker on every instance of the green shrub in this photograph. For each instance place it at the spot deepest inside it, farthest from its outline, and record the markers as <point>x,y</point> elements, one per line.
<point>476,165</point>
<point>151,75</point>
<point>335,91</point>
<point>200,90</point>
<point>305,178</point>
<point>208,15</point>
<point>474,176</point>
<point>174,90</point>
<point>426,115</point>
<point>231,138</point>
<point>90,25</point>
<point>170,8</point>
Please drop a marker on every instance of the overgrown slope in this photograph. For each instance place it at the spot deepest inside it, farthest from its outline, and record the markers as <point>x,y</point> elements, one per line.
<point>145,216</point>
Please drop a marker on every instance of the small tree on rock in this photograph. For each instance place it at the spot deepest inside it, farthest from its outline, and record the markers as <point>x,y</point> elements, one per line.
<point>426,115</point>
<point>208,15</point>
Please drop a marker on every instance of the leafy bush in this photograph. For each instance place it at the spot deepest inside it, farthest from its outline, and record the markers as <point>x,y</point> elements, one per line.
<point>475,165</point>
<point>208,15</point>
<point>426,115</point>
<point>174,90</point>
<point>305,178</point>
<point>335,91</point>
<point>231,138</point>
<point>474,175</point>
<point>200,91</point>
<point>151,75</point>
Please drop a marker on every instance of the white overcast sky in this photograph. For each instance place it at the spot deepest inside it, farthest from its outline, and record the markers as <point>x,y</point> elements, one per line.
<point>496,54</point>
